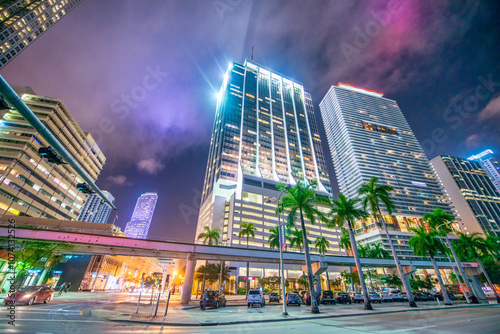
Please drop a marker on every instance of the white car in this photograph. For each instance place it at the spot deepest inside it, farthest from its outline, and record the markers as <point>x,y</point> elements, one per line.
<point>358,298</point>
<point>374,297</point>
<point>386,297</point>
<point>255,297</point>
<point>396,296</point>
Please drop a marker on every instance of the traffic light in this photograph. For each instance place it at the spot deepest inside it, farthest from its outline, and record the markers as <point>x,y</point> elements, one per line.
<point>51,155</point>
<point>84,188</point>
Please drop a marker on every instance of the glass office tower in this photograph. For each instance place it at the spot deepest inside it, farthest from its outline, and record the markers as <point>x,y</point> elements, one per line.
<point>264,133</point>
<point>472,193</point>
<point>22,22</point>
<point>138,226</point>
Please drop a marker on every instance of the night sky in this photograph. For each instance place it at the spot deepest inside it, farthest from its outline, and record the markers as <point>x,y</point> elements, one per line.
<point>438,60</point>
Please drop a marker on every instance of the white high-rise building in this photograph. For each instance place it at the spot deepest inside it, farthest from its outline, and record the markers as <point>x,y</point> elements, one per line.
<point>95,210</point>
<point>490,165</point>
<point>138,226</point>
<point>368,135</point>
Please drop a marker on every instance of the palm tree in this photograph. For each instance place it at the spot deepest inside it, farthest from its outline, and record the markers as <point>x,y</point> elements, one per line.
<point>439,220</point>
<point>296,239</point>
<point>378,252</point>
<point>429,244</point>
<point>365,251</point>
<point>302,200</point>
<point>209,236</point>
<point>372,194</point>
<point>471,247</point>
<point>247,230</point>
<point>345,240</point>
<point>274,238</point>
<point>322,245</point>
<point>344,211</point>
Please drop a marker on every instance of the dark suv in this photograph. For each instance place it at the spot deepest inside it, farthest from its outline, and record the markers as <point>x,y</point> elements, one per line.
<point>327,297</point>
<point>274,297</point>
<point>343,298</point>
<point>212,298</point>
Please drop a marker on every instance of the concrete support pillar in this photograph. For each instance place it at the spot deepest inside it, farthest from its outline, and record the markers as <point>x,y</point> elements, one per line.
<point>189,278</point>
<point>476,285</point>
<point>317,284</point>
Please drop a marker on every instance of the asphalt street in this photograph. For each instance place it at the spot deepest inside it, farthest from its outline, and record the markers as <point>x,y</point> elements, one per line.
<point>69,315</point>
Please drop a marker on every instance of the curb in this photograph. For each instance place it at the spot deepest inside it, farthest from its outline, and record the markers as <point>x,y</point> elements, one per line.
<point>291,318</point>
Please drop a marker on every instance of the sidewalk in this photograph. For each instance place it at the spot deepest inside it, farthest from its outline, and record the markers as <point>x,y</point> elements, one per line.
<point>182,315</point>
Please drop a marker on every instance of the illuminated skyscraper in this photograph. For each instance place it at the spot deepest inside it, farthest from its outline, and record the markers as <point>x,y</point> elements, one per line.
<point>95,209</point>
<point>138,226</point>
<point>264,133</point>
<point>24,21</point>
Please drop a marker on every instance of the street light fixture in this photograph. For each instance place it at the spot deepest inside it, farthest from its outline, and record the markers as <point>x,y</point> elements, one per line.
<point>473,298</point>
<point>283,289</point>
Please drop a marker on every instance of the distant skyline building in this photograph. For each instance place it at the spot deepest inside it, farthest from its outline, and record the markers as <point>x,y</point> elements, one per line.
<point>30,185</point>
<point>264,133</point>
<point>491,166</point>
<point>368,135</point>
<point>22,22</point>
<point>472,193</point>
<point>95,209</point>
<point>138,226</point>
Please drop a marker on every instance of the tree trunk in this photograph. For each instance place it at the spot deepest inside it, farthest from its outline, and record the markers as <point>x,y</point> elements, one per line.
<point>328,279</point>
<point>446,298</point>
<point>398,264</point>
<point>248,273</point>
<point>314,302</point>
<point>488,278</point>
<point>472,295</point>
<point>354,247</point>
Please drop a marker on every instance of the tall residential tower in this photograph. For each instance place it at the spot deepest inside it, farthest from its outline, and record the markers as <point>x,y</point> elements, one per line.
<point>138,226</point>
<point>368,135</point>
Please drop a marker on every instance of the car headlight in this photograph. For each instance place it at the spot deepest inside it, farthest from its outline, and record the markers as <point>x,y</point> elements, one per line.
<point>27,296</point>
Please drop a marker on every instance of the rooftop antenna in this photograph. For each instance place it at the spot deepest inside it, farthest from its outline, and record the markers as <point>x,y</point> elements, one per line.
<point>252,53</point>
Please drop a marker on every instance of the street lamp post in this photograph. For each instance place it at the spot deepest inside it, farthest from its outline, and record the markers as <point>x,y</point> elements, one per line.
<point>473,298</point>
<point>283,289</point>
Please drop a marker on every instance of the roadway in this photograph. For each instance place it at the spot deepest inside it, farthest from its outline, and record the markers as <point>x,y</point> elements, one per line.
<point>69,314</point>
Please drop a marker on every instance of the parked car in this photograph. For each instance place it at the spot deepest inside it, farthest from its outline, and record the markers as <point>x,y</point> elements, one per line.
<point>404,295</point>
<point>396,296</point>
<point>430,296</point>
<point>357,298</point>
<point>29,295</point>
<point>386,297</point>
<point>419,297</point>
<point>255,297</point>
<point>327,297</point>
<point>307,299</point>
<point>213,299</point>
<point>439,296</point>
<point>374,297</point>
<point>274,297</point>
<point>343,298</point>
<point>292,298</point>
